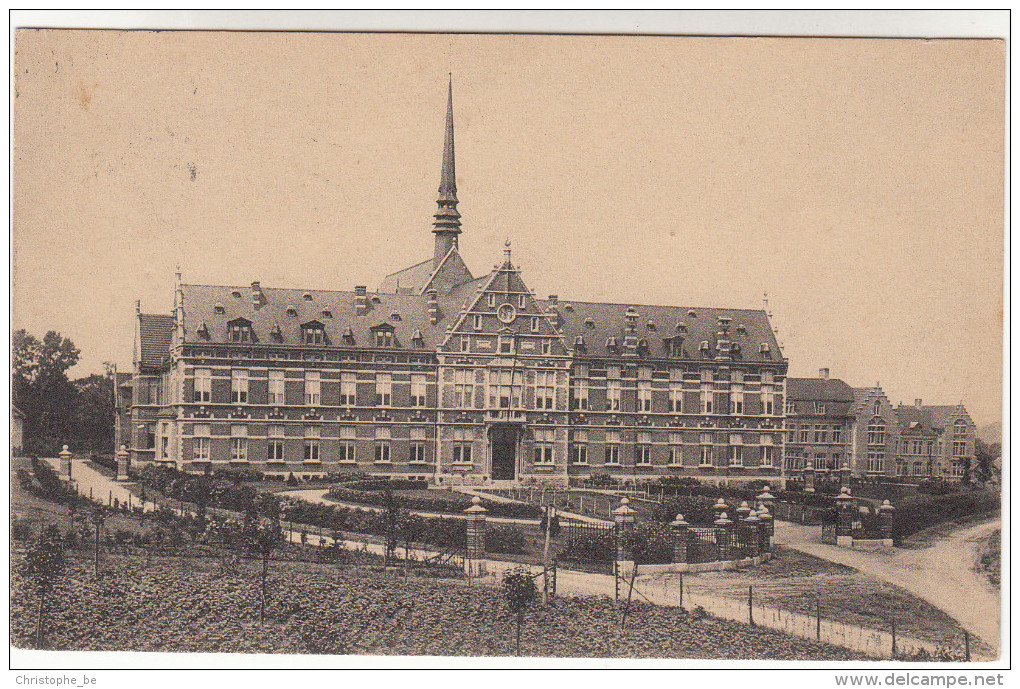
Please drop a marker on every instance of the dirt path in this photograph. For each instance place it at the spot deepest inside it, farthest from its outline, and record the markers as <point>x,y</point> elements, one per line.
<point>942,574</point>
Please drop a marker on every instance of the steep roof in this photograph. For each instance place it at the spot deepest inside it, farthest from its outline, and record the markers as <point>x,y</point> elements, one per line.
<point>930,417</point>
<point>155,333</point>
<point>819,390</point>
<point>409,280</point>
<point>596,322</point>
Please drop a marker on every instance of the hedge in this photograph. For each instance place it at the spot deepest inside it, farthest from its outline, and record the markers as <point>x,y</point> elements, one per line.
<point>443,502</point>
<point>915,516</point>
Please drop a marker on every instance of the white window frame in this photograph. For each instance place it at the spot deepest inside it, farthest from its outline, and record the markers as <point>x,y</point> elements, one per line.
<point>277,388</point>
<point>348,388</point>
<point>313,388</point>
<point>348,445</point>
<point>203,385</point>
<point>419,382</point>
<point>383,389</point>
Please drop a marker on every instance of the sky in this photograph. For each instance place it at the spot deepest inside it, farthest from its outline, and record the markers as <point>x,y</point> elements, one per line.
<point>859,183</point>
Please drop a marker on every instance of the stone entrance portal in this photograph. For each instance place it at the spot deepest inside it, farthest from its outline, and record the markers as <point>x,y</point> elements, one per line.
<point>503,441</point>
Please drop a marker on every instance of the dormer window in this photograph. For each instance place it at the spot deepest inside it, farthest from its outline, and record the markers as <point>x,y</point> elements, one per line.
<point>239,331</point>
<point>348,337</point>
<point>326,313</point>
<point>235,294</point>
<point>642,345</point>
<point>203,331</point>
<point>306,296</point>
<point>276,334</point>
<point>589,323</point>
<point>417,339</point>
<point>383,335</point>
<point>681,327</point>
<point>692,314</point>
<point>764,349</point>
<point>631,318</point>
<point>675,346</point>
<point>704,347</point>
<point>651,326</point>
<point>742,329</point>
<point>291,311</point>
<point>395,316</point>
<point>218,309</point>
<point>579,342</point>
<point>313,333</point>
<point>611,345</point>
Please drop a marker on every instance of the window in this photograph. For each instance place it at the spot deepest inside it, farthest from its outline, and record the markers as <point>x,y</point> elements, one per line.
<point>959,448</point>
<point>462,439</point>
<point>918,468</point>
<point>644,393</point>
<point>465,343</point>
<point>957,468</point>
<point>768,401</point>
<point>837,435</point>
<point>522,301</point>
<point>792,435</point>
<point>876,462</point>
<point>917,447</point>
<point>417,389</point>
<point>644,448</point>
<point>275,450</point>
<point>790,407</point>
<point>276,388</point>
<point>612,448</point>
<point>877,408</point>
<point>676,386</point>
<point>347,444</point>
<point>383,338</point>
<point>544,439</point>
<point>313,334</point>
<point>416,454</point>
<point>534,324</point>
<point>153,389</point>
<point>707,375</point>
<point>203,385</point>
<point>581,387</point>
<point>768,377</point>
<point>544,386</point>
<point>505,388</point>
<point>492,300</point>
<point>239,386</point>
<point>348,388</point>
<point>312,443</point>
<point>506,344</point>
<point>239,331</point>
<point>767,449</point>
<point>382,444</point>
<point>819,407</point>
<point>676,450</point>
<point>478,322</point>
<point>737,399</point>
<point>463,386</point>
<point>706,398</point>
<point>313,388</point>
<point>546,346</point>
<point>706,449</point>
<point>239,443</point>
<point>383,389</point>
<point>736,450</point>
<point>201,434</point>
<point>579,452</point>
<point>959,439</point>
<point>821,434</point>
<point>805,432</point>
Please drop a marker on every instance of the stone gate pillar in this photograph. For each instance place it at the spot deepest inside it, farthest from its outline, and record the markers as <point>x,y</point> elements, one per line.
<point>765,499</point>
<point>768,527</point>
<point>844,519</point>
<point>844,476</point>
<point>724,536</point>
<point>474,564</point>
<point>885,520</point>
<point>623,517</point>
<point>719,508</point>
<point>743,512</point>
<point>681,537</point>
<point>122,463</point>
<point>809,478</point>
<point>65,463</point>
<point>752,530</point>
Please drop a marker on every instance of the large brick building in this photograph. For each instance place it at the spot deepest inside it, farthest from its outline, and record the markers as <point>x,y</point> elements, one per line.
<point>456,378</point>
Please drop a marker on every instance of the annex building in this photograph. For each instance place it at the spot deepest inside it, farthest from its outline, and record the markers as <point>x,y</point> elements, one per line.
<point>458,378</point>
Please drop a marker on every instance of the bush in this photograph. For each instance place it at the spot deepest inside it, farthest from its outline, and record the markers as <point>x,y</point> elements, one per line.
<point>590,546</point>
<point>938,487</point>
<point>505,539</point>
<point>602,480</point>
<point>292,480</point>
<point>650,544</point>
<point>914,517</point>
<point>105,460</point>
<point>442,501</point>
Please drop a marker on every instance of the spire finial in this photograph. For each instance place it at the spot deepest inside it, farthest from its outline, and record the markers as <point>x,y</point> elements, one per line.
<point>506,251</point>
<point>447,218</point>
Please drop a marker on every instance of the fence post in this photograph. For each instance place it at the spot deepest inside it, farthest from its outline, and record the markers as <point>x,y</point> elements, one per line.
<point>750,605</point>
<point>844,519</point>
<point>742,512</point>
<point>473,563</point>
<point>885,520</point>
<point>893,623</point>
<point>809,478</point>
<point>719,508</point>
<point>65,463</point>
<point>844,476</point>
<point>680,536</point>
<point>623,517</point>
<point>122,463</point>
<point>818,618</point>
<point>766,500</point>
<point>966,645</point>
<point>751,527</point>
<point>723,536</point>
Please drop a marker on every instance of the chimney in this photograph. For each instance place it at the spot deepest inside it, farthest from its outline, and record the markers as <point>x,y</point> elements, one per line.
<point>258,297</point>
<point>823,373</point>
<point>917,403</point>
<point>553,299</point>
<point>433,306</point>
<point>361,300</point>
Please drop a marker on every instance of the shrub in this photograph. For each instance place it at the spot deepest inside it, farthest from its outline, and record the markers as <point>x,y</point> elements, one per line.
<point>505,539</point>
<point>589,545</point>
<point>518,593</point>
<point>602,480</point>
<point>913,517</point>
<point>292,480</point>
<point>442,501</point>
<point>696,510</point>
<point>650,544</point>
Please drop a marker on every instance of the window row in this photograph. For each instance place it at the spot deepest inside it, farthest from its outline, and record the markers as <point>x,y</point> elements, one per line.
<point>240,387</point>
<point>817,434</point>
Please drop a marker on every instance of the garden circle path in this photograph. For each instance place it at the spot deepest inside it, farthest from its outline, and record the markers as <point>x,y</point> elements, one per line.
<point>943,574</point>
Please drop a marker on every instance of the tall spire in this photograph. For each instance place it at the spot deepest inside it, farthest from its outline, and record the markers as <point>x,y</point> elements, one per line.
<point>447,218</point>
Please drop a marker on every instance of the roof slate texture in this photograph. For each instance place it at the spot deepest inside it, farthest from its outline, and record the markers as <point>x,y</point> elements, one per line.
<point>819,390</point>
<point>929,418</point>
<point>156,332</point>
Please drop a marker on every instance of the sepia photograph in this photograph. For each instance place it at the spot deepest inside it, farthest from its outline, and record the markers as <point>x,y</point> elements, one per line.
<point>510,346</point>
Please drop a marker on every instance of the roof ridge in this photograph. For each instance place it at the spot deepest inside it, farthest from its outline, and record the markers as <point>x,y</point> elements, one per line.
<point>561,300</point>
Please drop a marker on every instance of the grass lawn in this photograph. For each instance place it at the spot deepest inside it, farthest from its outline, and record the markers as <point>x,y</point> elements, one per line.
<point>990,560</point>
<point>194,606</point>
<point>799,582</point>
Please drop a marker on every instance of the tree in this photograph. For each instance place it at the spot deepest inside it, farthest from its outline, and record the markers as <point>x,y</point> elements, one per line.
<point>92,423</point>
<point>518,593</point>
<point>263,539</point>
<point>41,389</point>
<point>44,562</point>
<point>985,455</point>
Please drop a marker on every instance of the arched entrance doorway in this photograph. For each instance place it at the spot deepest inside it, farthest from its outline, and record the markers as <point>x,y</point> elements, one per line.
<point>503,443</point>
